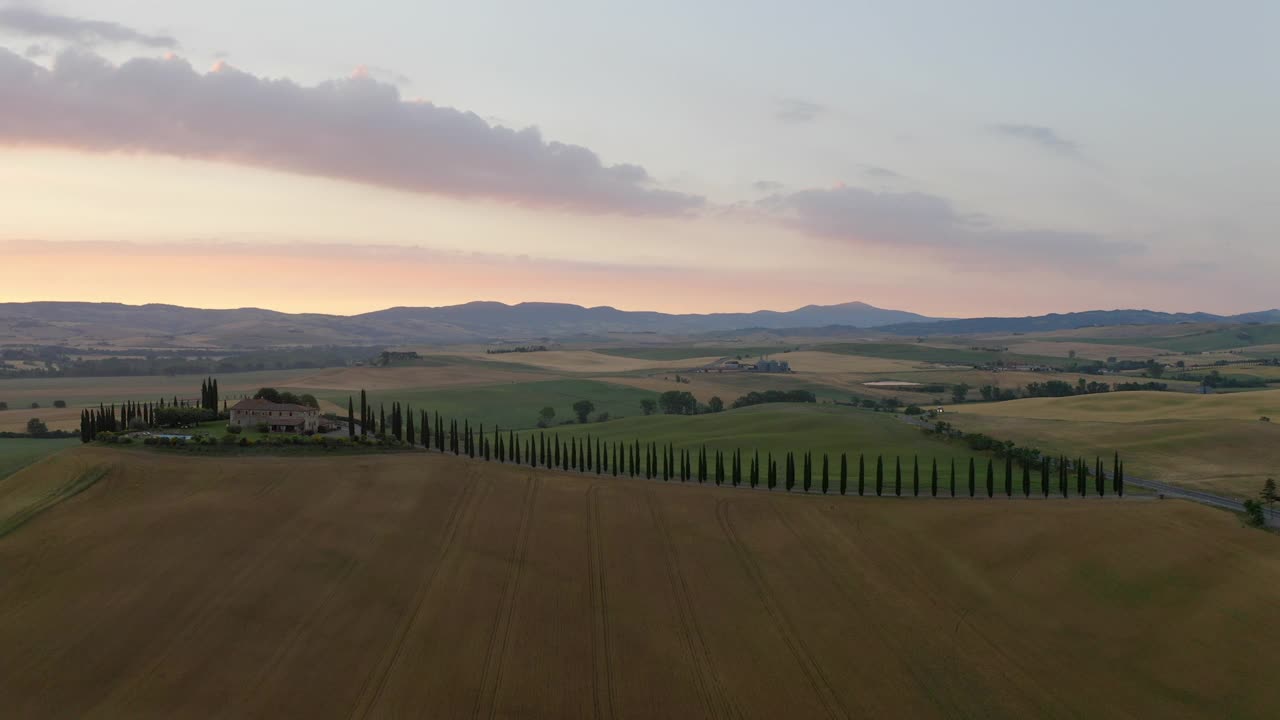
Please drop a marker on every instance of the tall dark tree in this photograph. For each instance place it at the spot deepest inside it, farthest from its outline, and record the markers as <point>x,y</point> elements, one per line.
<point>953,477</point>
<point>824,473</point>
<point>862,474</point>
<point>1026,479</point>
<point>364,413</point>
<point>879,475</point>
<point>1044,475</point>
<point>933,479</point>
<point>808,480</point>
<point>1008,476</point>
<point>991,479</point>
<point>1119,480</point>
<point>915,476</point>
<point>844,473</point>
<point>409,431</point>
<point>897,476</point>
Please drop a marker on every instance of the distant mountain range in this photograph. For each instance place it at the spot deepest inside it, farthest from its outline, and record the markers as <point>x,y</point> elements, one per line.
<point>1069,321</point>
<point>98,324</point>
<point>170,326</point>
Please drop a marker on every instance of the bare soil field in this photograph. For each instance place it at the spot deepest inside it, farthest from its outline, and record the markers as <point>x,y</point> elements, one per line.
<point>390,586</point>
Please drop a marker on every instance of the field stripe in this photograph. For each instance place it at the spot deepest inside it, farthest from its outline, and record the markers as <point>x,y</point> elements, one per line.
<point>804,657</point>
<point>207,612</point>
<point>601,660</point>
<point>495,655</point>
<point>372,690</point>
<point>710,687</point>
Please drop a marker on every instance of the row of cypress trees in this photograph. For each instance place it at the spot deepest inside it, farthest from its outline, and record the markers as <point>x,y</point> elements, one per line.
<point>651,461</point>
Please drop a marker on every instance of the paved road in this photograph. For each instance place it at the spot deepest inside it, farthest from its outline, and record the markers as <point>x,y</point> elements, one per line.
<point>1226,503</point>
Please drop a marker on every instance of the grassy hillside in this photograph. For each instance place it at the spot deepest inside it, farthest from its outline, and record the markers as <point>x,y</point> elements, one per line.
<point>195,587</point>
<point>789,427</point>
<point>512,405</point>
<point>1211,442</point>
<point>920,352</point>
<point>17,453</point>
<point>1129,407</point>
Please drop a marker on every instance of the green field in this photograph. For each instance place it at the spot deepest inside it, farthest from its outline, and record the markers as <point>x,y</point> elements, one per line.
<point>16,453</point>
<point>513,405</point>
<point>793,427</point>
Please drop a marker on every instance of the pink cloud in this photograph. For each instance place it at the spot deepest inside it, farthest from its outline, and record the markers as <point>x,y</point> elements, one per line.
<point>357,129</point>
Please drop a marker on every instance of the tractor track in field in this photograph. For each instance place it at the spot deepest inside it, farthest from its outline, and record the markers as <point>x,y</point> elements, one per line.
<point>707,679</point>
<point>850,595</point>
<point>500,635</point>
<point>373,688</point>
<point>818,680</point>
<point>601,656</point>
<point>200,618</point>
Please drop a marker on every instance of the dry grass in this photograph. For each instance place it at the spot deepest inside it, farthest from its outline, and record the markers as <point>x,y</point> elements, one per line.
<point>587,361</point>
<point>410,584</point>
<point>1135,407</point>
<point>56,418</point>
<point>393,378</point>
<point>1084,349</point>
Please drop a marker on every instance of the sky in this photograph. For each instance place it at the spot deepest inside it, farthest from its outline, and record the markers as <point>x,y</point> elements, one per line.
<point>953,159</point>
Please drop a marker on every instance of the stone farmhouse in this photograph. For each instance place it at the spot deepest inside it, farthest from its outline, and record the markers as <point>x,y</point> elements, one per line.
<point>279,417</point>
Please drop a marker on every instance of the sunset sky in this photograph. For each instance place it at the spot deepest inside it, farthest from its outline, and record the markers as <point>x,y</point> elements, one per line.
<point>953,159</point>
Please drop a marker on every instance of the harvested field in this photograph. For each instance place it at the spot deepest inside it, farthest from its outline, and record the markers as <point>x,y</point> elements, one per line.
<point>380,586</point>
<point>392,378</point>
<point>589,361</point>
<point>55,418</point>
<point>1130,407</point>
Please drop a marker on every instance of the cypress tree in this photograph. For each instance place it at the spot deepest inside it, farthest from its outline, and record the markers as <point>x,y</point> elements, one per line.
<point>382,424</point>
<point>1062,475</point>
<point>1008,476</point>
<point>1044,476</point>
<point>1098,477</point>
<point>1081,480</point>
<point>933,479</point>
<point>844,473</point>
<point>862,474</point>
<point>879,475</point>
<point>973,479</point>
<point>824,473</point>
<point>364,413</point>
<point>915,476</point>
<point>808,481</point>
<point>409,429</point>
<point>772,473</point>
<point>897,476</point>
<point>791,471</point>
<point>1026,479</point>
<point>991,479</point>
<point>1119,480</point>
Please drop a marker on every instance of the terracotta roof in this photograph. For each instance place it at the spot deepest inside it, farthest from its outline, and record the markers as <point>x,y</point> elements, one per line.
<point>260,404</point>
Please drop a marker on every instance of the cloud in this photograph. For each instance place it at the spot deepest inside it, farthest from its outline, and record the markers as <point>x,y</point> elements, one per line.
<point>1045,137</point>
<point>31,21</point>
<point>880,173</point>
<point>794,111</point>
<point>769,186</point>
<point>922,222</point>
<point>357,129</point>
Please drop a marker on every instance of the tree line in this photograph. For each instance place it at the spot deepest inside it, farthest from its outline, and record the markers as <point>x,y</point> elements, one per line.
<point>809,472</point>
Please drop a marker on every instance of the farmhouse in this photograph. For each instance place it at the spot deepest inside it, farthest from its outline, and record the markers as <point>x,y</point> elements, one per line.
<point>278,416</point>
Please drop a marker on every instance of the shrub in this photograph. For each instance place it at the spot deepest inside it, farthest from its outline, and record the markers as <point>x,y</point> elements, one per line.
<point>59,403</point>
<point>137,423</point>
<point>1253,516</point>
<point>4,406</point>
<point>234,429</point>
<point>263,427</point>
<point>245,442</point>
<point>35,406</point>
<point>1264,418</point>
<point>36,426</point>
<point>913,410</point>
<point>602,416</point>
<point>229,439</point>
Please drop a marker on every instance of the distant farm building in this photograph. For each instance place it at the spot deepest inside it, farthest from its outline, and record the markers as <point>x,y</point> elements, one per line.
<point>772,366</point>
<point>278,417</point>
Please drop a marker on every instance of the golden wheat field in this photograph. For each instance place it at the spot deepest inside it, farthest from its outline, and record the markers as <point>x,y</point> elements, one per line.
<point>429,586</point>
